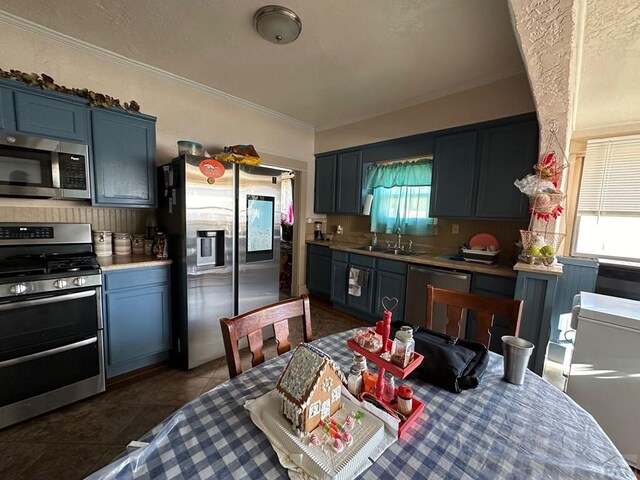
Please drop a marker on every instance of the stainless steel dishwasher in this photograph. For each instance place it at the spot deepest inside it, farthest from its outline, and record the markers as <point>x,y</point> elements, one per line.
<point>416,303</point>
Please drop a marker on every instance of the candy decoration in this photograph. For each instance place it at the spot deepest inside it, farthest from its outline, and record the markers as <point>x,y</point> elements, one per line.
<point>349,422</point>
<point>347,439</point>
<point>337,445</point>
<point>314,440</point>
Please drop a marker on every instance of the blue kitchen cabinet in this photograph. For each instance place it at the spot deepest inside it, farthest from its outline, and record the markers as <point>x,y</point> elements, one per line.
<point>137,318</point>
<point>325,184</point>
<point>492,286</point>
<point>391,282</point>
<point>338,183</point>
<point>508,153</point>
<point>319,270</point>
<point>124,149</point>
<point>452,183</point>
<point>364,302</point>
<point>474,171</point>
<point>339,279</point>
<point>48,116</point>
<point>537,291</point>
<point>349,183</point>
<point>578,275</point>
<point>7,110</point>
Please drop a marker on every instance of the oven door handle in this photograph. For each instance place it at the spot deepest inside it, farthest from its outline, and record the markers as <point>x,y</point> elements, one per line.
<point>44,301</point>
<point>47,353</point>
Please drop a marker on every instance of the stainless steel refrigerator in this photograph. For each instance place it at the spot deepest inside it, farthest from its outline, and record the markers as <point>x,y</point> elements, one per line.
<point>223,227</point>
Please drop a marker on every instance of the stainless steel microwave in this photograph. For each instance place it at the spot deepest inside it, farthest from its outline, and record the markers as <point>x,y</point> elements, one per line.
<point>41,167</point>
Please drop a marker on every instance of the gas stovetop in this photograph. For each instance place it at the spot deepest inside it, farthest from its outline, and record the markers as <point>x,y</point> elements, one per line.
<point>37,258</point>
<point>52,263</point>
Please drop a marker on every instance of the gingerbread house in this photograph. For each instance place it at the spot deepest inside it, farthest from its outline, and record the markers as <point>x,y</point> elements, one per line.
<point>310,387</point>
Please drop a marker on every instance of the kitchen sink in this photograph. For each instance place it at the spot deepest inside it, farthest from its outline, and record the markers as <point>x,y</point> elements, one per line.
<point>372,248</point>
<point>401,253</point>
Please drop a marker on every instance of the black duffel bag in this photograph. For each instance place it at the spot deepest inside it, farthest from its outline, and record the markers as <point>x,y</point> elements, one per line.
<point>452,363</point>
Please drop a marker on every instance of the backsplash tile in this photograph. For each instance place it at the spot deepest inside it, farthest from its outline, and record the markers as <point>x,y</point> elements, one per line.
<point>356,230</point>
<point>113,219</point>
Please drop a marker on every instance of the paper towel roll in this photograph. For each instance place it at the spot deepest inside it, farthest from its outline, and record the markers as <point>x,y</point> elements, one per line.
<point>366,210</point>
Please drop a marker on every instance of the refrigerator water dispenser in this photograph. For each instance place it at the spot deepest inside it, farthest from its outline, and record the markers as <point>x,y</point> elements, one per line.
<point>210,248</point>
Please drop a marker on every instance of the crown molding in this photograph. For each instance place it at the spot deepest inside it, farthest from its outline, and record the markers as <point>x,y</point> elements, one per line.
<point>103,53</point>
<point>444,92</point>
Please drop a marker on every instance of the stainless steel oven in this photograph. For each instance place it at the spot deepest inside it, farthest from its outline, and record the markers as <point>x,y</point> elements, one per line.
<point>41,167</point>
<point>51,332</point>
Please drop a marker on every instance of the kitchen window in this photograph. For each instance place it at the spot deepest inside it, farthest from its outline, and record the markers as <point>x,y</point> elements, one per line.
<point>401,193</point>
<point>608,217</point>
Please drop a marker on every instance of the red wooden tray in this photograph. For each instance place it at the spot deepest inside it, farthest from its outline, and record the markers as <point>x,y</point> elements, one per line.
<point>397,371</point>
<point>417,409</point>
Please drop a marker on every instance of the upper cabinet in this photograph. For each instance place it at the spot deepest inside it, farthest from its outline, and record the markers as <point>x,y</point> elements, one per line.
<point>508,153</point>
<point>338,183</point>
<point>453,175</point>
<point>7,111</point>
<point>36,114</point>
<point>474,171</point>
<point>349,182</point>
<point>474,167</point>
<point>324,194</point>
<point>124,148</point>
<point>122,145</point>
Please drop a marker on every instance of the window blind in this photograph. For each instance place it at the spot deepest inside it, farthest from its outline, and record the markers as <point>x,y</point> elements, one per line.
<point>610,182</point>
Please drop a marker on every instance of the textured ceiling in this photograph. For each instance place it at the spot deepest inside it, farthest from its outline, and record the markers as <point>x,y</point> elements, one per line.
<point>609,77</point>
<point>355,59</point>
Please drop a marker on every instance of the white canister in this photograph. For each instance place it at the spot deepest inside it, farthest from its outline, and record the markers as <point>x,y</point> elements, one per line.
<point>122,243</point>
<point>137,244</point>
<point>102,243</point>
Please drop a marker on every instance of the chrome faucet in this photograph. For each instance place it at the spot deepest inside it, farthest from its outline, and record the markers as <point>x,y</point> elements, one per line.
<point>398,238</point>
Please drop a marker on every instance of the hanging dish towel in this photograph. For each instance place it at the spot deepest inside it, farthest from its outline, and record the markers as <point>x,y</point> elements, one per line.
<point>357,281</point>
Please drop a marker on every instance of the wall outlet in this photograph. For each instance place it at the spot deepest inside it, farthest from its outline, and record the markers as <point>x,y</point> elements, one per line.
<point>455,229</point>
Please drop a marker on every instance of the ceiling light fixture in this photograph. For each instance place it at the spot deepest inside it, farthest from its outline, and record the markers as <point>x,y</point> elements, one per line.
<point>277,24</point>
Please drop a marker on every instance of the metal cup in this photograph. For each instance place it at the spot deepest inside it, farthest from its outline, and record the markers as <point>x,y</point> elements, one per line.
<point>516,352</point>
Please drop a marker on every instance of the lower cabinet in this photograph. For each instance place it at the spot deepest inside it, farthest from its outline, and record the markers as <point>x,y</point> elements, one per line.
<point>391,283</point>
<point>319,270</point>
<point>137,319</point>
<point>367,265</point>
<point>385,278</point>
<point>494,286</point>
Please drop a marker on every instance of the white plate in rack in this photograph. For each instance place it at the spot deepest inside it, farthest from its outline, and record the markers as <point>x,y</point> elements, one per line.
<point>321,463</point>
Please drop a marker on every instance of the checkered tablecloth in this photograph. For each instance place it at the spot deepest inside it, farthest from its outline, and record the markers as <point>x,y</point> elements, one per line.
<point>497,431</point>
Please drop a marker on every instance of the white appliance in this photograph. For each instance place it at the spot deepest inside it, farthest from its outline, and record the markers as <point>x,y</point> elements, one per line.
<point>605,370</point>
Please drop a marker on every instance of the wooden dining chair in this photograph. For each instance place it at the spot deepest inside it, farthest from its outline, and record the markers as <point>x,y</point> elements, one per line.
<point>250,325</point>
<point>485,308</point>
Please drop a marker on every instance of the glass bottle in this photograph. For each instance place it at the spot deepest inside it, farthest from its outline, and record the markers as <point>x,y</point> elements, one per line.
<point>360,361</point>
<point>403,347</point>
<point>354,382</point>
<point>389,388</point>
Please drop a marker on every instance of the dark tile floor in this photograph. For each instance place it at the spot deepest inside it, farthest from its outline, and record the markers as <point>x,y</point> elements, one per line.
<point>74,441</point>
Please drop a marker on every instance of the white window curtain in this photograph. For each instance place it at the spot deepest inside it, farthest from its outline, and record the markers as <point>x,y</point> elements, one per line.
<point>608,213</point>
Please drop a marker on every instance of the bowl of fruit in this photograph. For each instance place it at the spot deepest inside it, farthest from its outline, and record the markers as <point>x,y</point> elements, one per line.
<point>539,248</point>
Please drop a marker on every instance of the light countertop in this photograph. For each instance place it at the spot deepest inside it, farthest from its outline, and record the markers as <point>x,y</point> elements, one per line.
<point>428,259</point>
<point>121,262</point>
